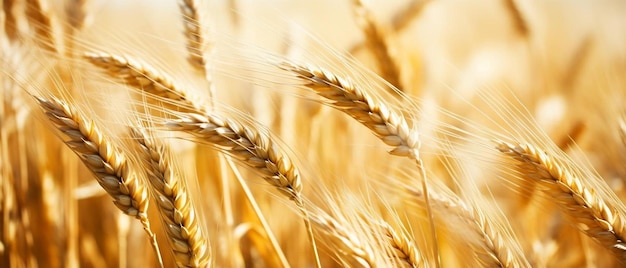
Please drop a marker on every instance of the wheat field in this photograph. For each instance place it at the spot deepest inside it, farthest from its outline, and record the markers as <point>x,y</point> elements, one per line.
<point>352,133</point>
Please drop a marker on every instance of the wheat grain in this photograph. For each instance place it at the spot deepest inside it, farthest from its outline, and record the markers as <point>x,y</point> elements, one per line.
<point>251,147</point>
<point>245,143</point>
<point>592,214</point>
<point>187,240</point>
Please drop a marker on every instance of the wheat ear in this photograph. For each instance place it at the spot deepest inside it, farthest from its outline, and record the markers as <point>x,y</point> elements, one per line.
<point>41,22</point>
<point>376,41</point>
<point>109,167</point>
<point>403,248</point>
<point>519,21</point>
<point>496,251</point>
<point>134,74</point>
<point>387,125</point>
<point>591,213</point>
<point>188,243</point>
<point>345,242</point>
<point>10,20</point>
<point>245,144</point>
<point>196,41</point>
<point>76,13</point>
<point>197,44</point>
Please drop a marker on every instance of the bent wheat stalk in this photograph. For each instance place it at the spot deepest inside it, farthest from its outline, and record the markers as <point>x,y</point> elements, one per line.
<point>387,125</point>
<point>593,215</point>
<point>188,243</point>
<point>109,167</point>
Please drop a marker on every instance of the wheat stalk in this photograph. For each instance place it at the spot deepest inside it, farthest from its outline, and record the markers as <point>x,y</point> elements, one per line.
<point>592,214</point>
<point>109,167</point>
<point>188,243</point>
<point>243,142</point>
